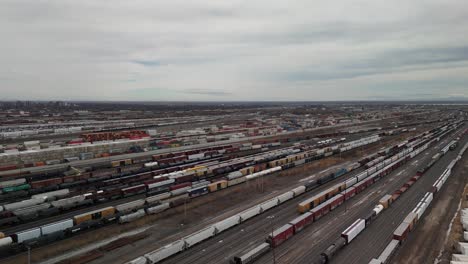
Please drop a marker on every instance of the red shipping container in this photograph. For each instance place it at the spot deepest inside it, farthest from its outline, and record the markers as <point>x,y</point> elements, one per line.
<point>8,167</point>
<point>178,186</point>
<point>401,232</point>
<point>69,178</point>
<point>360,187</point>
<point>335,202</point>
<point>350,192</point>
<point>134,189</point>
<point>278,236</point>
<point>301,221</point>
<point>320,210</point>
<point>158,179</point>
<point>45,183</point>
<point>369,182</point>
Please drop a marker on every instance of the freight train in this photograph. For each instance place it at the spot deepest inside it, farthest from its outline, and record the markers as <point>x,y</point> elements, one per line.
<point>179,185</point>
<point>401,233</point>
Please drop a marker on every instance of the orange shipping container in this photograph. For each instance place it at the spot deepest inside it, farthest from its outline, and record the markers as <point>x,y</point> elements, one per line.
<point>39,163</point>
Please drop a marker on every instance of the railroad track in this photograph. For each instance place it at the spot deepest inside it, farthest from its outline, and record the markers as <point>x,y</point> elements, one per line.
<point>254,230</point>
<point>320,235</point>
<point>71,213</point>
<point>281,212</point>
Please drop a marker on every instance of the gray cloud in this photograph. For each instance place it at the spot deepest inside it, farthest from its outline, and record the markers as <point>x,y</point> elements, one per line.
<point>236,50</point>
<point>206,92</point>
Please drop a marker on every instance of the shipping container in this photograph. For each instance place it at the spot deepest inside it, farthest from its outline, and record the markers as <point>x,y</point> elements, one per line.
<point>95,215</point>
<point>227,223</point>
<point>354,230</point>
<point>22,236</point>
<point>301,221</point>
<point>199,236</point>
<point>57,226</point>
<point>280,235</point>
<point>166,251</point>
<point>252,255</point>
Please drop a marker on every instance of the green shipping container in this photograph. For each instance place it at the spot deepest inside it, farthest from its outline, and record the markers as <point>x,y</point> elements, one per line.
<point>17,188</point>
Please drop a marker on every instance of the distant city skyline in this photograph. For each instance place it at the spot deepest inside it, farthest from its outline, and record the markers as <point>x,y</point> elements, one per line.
<point>234,50</point>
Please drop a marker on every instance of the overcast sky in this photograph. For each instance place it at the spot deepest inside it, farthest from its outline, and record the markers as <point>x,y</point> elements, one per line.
<point>234,50</point>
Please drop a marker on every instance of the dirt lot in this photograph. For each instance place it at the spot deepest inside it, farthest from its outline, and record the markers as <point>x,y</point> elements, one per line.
<point>202,210</point>
<point>430,242</point>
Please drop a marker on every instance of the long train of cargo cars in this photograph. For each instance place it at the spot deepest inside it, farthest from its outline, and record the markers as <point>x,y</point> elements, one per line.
<point>404,151</point>
<point>164,191</point>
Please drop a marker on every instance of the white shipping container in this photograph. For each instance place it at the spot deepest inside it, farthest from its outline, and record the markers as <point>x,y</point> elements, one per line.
<point>31,209</point>
<point>460,257</point>
<point>285,196</point>
<point>227,223</point>
<point>269,204</point>
<point>199,236</point>
<point>428,197</point>
<point>131,217</point>
<point>180,191</point>
<point>158,208</point>
<point>196,156</point>
<point>67,202</point>
<point>57,226</point>
<point>128,207</point>
<point>28,234</point>
<point>166,251</point>
<point>388,251</point>
<point>463,247</point>
<point>22,204</point>
<point>298,190</point>
<point>139,260</point>
<point>6,241</point>
<point>234,175</point>
<point>364,175</point>
<point>156,198</point>
<point>354,230</point>
<point>236,181</point>
<point>378,209</point>
<point>350,182</point>
<point>299,162</point>
<point>51,195</point>
<point>161,183</point>
<point>249,213</point>
<point>254,253</point>
<point>12,183</point>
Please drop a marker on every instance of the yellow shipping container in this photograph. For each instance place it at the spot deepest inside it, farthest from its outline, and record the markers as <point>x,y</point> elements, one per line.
<point>303,207</point>
<point>216,186</point>
<point>94,215</point>
<point>196,168</point>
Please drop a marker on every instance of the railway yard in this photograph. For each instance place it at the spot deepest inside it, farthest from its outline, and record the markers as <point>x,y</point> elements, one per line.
<point>250,184</point>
